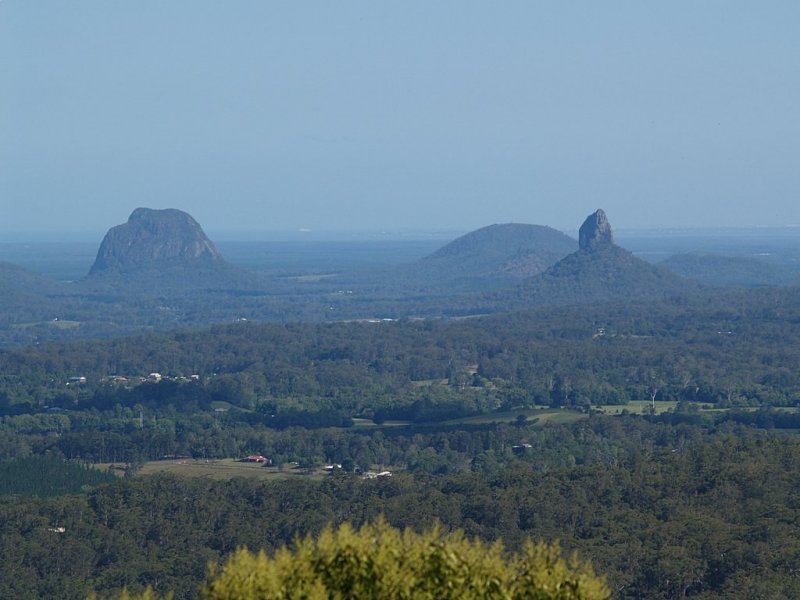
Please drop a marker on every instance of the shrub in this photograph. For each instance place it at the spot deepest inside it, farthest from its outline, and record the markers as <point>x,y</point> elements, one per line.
<point>379,561</point>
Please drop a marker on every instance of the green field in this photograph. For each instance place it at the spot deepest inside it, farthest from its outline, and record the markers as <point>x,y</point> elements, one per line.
<point>370,424</point>
<point>641,407</point>
<point>542,415</point>
<point>55,323</point>
<point>229,467</point>
<point>638,407</point>
<point>226,468</point>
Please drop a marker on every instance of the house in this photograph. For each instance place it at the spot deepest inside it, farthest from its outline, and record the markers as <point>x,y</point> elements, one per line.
<point>255,458</point>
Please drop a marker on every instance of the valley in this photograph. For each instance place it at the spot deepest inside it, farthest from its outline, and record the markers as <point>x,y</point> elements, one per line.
<point>512,383</point>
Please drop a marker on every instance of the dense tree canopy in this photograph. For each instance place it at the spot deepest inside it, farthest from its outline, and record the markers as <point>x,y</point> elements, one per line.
<point>663,511</point>
<point>378,562</point>
<point>743,355</point>
<point>697,502</point>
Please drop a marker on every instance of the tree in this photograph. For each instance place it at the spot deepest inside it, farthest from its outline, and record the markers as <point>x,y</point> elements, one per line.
<point>378,561</point>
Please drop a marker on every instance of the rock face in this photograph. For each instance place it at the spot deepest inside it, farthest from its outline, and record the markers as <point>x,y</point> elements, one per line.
<point>595,232</point>
<point>152,239</point>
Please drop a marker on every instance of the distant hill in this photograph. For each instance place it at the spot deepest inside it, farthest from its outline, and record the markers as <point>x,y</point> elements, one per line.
<point>25,295</point>
<point>488,258</point>
<point>512,249</point>
<point>738,271</point>
<point>16,278</point>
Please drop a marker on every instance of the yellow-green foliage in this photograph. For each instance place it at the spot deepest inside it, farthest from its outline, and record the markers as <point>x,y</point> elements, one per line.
<point>379,561</point>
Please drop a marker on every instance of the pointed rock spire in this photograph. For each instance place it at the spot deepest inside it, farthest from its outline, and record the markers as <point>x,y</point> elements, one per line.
<point>595,232</point>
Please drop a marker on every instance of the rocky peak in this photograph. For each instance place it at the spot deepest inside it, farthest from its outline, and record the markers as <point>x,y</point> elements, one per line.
<point>595,232</point>
<point>152,238</point>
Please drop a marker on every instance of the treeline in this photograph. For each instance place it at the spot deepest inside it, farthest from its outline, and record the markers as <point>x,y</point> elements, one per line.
<point>425,449</point>
<point>664,512</point>
<point>48,476</point>
<point>131,437</point>
<point>747,354</point>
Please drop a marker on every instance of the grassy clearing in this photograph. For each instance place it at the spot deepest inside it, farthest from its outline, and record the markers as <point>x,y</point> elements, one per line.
<point>56,324</point>
<point>641,407</point>
<point>226,468</point>
<point>117,469</point>
<point>312,277</point>
<point>638,407</point>
<point>222,404</point>
<point>420,383</point>
<point>62,324</point>
<point>370,424</point>
<point>543,415</point>
<point>557,416</point>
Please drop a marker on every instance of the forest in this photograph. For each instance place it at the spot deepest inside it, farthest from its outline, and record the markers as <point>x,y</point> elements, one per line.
<point>743,354</point>
<point>663,511</point>
<point>656,439</point>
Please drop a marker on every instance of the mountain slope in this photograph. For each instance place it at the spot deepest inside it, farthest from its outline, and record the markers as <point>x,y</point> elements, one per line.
<point>25,299</point>
<point>602,271</point>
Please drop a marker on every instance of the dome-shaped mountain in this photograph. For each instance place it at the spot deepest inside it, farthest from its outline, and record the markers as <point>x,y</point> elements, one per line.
<point>153,239</point>
<point>511,249</point>
<point>162,251</point>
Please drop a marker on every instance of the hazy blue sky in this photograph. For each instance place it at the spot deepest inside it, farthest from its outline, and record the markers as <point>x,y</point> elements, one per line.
<point>399,115</point>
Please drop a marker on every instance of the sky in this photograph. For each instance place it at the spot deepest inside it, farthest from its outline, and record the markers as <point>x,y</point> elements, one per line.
<point>399,116</point>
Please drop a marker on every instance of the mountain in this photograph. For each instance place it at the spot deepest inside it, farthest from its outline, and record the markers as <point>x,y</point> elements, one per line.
<point>513,249</point>
<point>155,238</point>
<point>596,232</point>
<point>602,271</point>
<point>487,258</point>
<point>163,258</point>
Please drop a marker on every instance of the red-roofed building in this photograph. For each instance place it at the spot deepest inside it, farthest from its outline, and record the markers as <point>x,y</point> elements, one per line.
<point>256,458</point>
